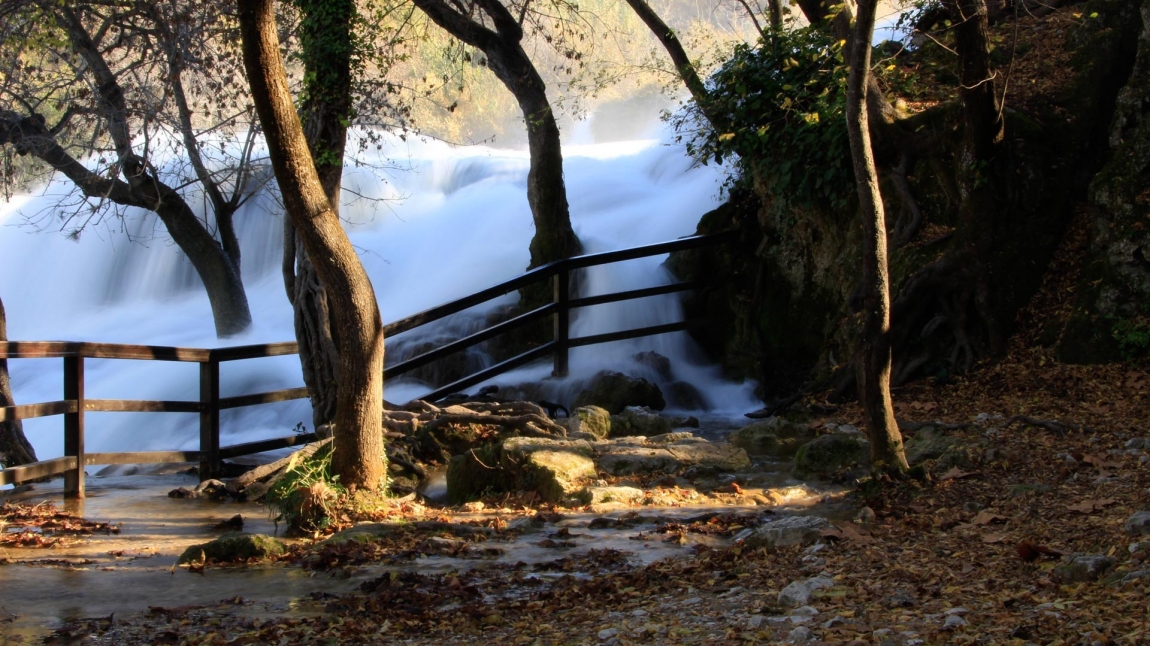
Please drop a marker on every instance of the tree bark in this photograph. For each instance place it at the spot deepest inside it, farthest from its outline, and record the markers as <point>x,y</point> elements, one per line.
<point>14,447</point>
<point>546,192</point>
<point>358,457</point>
<point>874,350</point>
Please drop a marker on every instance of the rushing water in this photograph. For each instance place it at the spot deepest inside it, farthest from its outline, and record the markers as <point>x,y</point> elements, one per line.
<point>451,221</point>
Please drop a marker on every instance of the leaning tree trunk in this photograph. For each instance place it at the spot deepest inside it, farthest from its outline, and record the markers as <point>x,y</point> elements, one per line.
<point>358,458</point>
<point>14,447</point>
<point>874,351</point>
<point>326,42</point>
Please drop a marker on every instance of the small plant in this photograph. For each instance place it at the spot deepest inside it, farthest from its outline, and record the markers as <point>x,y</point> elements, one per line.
<point>1133,337</point>
<point>305,497</point>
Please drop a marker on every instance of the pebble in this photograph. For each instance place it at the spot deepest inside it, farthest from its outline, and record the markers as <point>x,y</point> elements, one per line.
<point>692,601</point>
<point>754,622</point>
<point>800,635</point>
<point>607,633</point>
<point>954,622</point>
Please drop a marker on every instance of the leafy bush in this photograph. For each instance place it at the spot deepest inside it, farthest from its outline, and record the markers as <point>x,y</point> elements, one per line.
<point>781,109</point>
<point>305,497</point>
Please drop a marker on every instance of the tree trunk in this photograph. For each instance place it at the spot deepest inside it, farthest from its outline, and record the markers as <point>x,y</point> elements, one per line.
<point>874,351</point>
<point>546,192</point>
<point>14,447</point>
<point>358,458</point>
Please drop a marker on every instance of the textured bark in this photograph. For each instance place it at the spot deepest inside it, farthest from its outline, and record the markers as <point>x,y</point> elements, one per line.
<point>358,457</point>
<point>546,192</point>
<point>14,447</point>
<point>874,352</point>
<point>326,41</point>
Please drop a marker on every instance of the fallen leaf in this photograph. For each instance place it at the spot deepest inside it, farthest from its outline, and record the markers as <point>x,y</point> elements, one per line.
<point>986,518</point>
<point>993,538</point>
<point>956,473</point>
<point>1091,506</point>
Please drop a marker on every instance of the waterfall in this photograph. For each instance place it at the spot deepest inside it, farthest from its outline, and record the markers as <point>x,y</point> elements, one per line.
<point>431,222</point>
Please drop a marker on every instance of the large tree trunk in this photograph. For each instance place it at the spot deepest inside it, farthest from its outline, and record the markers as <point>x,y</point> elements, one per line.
<point>326,41</point>
<point>546,192</point>
<point>874,351</point>
<point>358,458</point>
<point>14,447</point>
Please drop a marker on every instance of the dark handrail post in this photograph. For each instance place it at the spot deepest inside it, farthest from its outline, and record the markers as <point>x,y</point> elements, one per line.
<point>74,426</point>
<point>562,319</point>
<point>209,419</point>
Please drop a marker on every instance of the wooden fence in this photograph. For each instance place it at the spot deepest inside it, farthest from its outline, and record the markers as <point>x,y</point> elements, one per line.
<point>211,454</point>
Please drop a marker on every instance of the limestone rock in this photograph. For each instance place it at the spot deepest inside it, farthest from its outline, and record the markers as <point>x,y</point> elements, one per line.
<point>1082,568</point>
<point>774,436</point>
<point>789,530</point>
<point>474,472</point>
<point>621,459</point>
<point>593,420</point>
<point>233,547</point>
<point>615,391</point>
<point>798,593</point>
<point>681,394</point>
<point>639,420</point>
<point>597,495</point>
<point>660,364</point>
<point>707,456</point>
<point>1138,524</point>
<point>928,443</point>
<point>826,455</point>
<point>556,469</point>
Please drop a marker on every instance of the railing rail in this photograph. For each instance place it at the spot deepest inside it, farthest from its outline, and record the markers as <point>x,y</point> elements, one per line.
<point>210,403</point>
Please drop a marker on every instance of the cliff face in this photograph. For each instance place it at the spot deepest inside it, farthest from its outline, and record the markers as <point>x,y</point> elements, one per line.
<point>783,297</point>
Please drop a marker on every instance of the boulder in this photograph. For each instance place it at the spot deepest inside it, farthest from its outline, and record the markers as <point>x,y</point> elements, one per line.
<point>631,458</point>
<point>592,420</point>
<point>658,363</point>
<point>928,443</point>
<point>787,531</point>
<point>639,420</point>
<point>233,547</point>
<point>473,473</point>
<point>683,395</point>
<point>1082,568</point>
<point>1138,524</point>
<point>597,495</point>
<point>829,454</point>
<point>615,391</point>
<point>773,436</point>
<point>556,469</point>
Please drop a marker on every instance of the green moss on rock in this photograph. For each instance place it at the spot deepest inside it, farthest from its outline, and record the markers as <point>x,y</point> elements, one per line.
<point>233,547</point>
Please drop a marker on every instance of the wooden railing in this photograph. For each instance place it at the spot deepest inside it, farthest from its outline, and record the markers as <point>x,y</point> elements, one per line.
<point>209,405</point>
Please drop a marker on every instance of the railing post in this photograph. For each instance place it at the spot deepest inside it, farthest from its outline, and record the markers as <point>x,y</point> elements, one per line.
<point>209,419</point>
<point>562,320</point>
<point>74,426</point>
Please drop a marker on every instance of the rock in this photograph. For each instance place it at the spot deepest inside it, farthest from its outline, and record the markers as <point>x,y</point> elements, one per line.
<point>789,530</point>
<point>708,457</point>
<point>1082,568</point>
<point>233,547</point>
<point>674,436</point>
<point>1138,524</point>
<point>681,394</point>
<point>800,635</point>
<point>827,455</point>
<point>607,633</point>
<point>798,593</point>
<point>928,443</point>
<point>1138,443</point>
<point>953,622</point>
<point>590,419</point>
<point>638,420</point>
<point>803,614</point>
<point>773,436</point>
<point>629,495</point>
<point>255,491</point>
<point>629,459</point>
<point>865,516</point>
<point>658,363</point>
<point>182,492</point>
<point>473,473</point>
<point>615,391</point>
<point>556,469</point>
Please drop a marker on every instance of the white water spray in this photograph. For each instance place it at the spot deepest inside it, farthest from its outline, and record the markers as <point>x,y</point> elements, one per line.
<point>462,224</point>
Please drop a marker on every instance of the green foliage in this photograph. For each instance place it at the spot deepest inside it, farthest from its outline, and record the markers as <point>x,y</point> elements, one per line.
<point>1133,337</point>
<point>782,106</point>
<point>305,496</point>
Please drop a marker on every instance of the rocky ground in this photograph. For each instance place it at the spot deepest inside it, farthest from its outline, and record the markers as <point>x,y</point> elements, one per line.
<point>1033,526</point>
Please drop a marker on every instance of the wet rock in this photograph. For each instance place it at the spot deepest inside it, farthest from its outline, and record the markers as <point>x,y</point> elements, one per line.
<point>1082,568</point>
<point>621,459</point>
<point>829,454</point>
<point>628,495</point>
<point>681,394</point>
<point>212,490</point>
<point>233,547</point>
<point>674,436</point>
<point>639,420</point>
<point>706,457</point>
<point>556,469</point>
<point>798,593</point>
<point>789,530</point>
<point>593,420</point>
<point>928,443</point>
<point>658,363</point>
<point>1138,524</point>
<point>774,436</point>
<point>182,492</point>
<point>615,391</point>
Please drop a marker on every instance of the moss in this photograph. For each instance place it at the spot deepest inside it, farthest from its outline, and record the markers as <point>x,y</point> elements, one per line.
<point>233,547</point>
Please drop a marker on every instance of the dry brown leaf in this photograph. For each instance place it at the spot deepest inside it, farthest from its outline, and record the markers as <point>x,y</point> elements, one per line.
<point>1101,463</point>
<point>993,538</point>
<point>956,473</point>
<point>986,518</point>
<point>1091,506</point>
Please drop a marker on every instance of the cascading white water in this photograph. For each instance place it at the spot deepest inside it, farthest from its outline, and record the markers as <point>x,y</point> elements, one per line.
<point>451,222</point>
